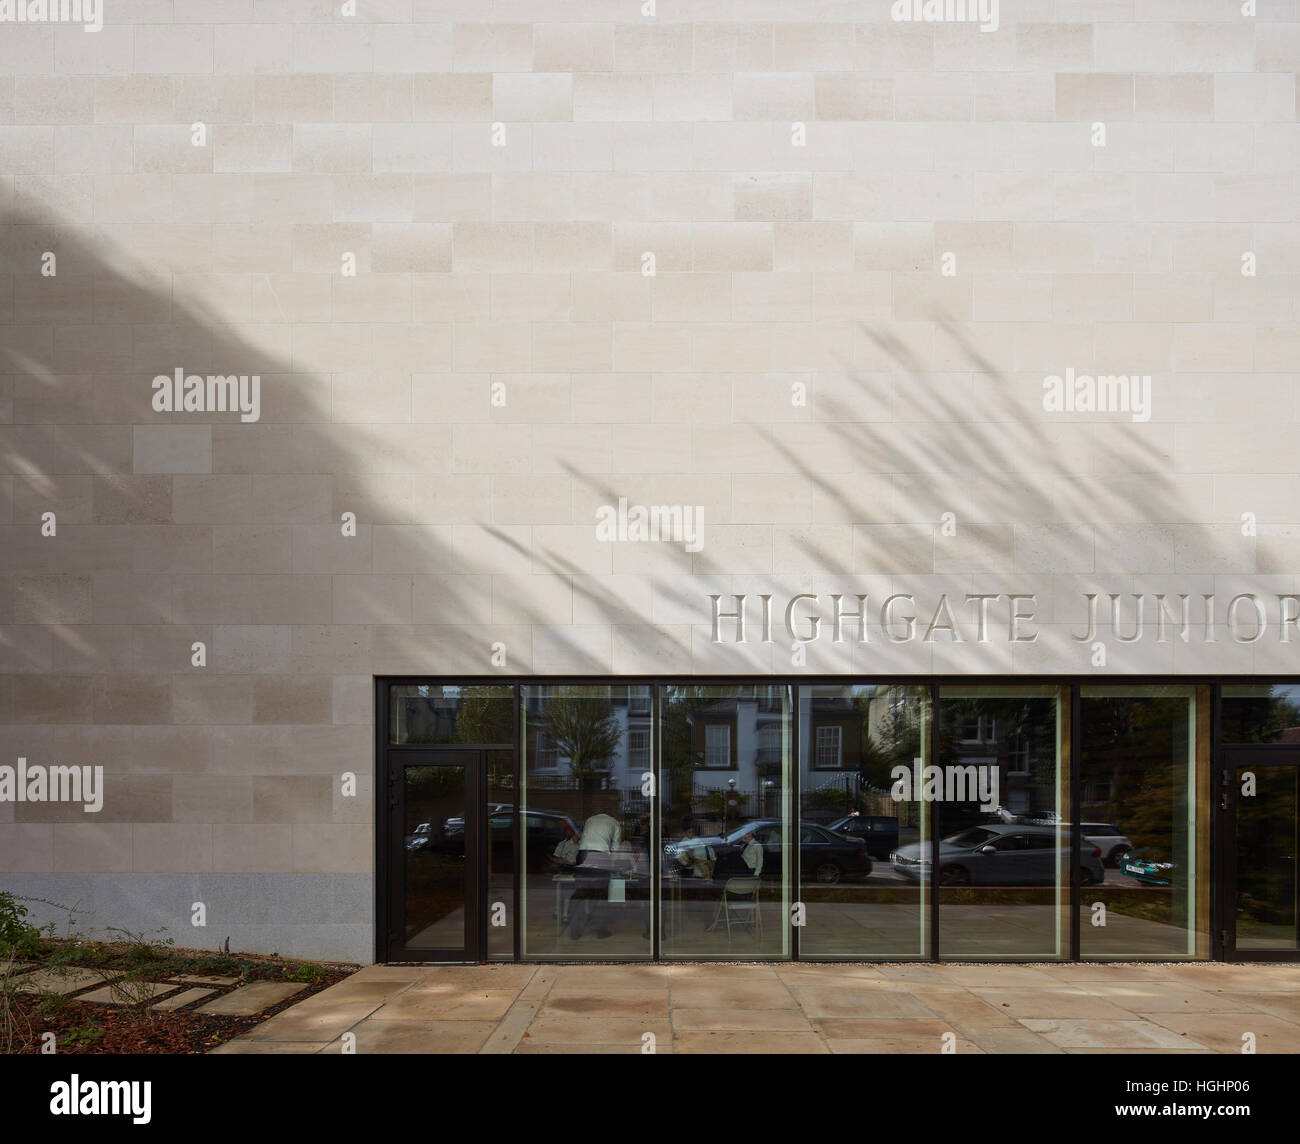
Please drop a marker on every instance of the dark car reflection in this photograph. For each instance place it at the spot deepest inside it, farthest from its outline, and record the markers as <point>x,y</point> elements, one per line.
<point>879,833</point>
<point>824,855</point>
<point>543,832</point>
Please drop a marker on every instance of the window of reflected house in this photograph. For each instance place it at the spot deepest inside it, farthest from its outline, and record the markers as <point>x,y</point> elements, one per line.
<point>865,891</point>
<point>725,821</point>
<point>1003,850</point>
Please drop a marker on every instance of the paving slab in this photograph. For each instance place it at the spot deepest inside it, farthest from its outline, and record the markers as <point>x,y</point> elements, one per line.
<point>1223,1032</point>
<point>508,1036</point>
<point>138,991</point>
<point>598,1030</point>
<point>202,979</point>
<point>619,1005</point>
<point>1059,1002</point>
<point>187,997</point>
<point>740,1019</point>
<point>815,1008</point>
<point>407,973</point>
<point>1158,997</point>
<point>416,1037</point>
<point>419,1004</point>
<point>252,999</point>
<point>241,1046</point>
<point>829,1001</point>
<point>962,1008</point>
<point>1283,1005</point>
<point>1123,1035</point>
<point>1017,1039</point>
<point>531,1048</point>
<point>919,1029</point>
<point>765,1041</point>
<point>298,1023</point>
<point>997,976</point>
<point>692,993</point>
<point>882,1046</point>
<point>65,981</point>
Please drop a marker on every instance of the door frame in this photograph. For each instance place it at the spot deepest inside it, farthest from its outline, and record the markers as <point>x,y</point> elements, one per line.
<point>1254,756</point>
<point>391,759</point>
<point>470,759</point>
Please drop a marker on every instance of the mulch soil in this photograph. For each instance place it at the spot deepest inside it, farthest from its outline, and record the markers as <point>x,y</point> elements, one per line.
<point>82,1027</point>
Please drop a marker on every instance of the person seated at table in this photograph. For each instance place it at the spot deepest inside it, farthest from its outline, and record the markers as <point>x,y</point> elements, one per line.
<point>693,860</point>
<point>602,839</point>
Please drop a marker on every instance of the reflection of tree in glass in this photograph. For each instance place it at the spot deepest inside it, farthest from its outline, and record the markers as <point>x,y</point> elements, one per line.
<point>680,707</point>
<point>485,716</point>
<point>579,723</point>
<point>897,741</point>
<point>1263,719</point>
<point>1134,752</point>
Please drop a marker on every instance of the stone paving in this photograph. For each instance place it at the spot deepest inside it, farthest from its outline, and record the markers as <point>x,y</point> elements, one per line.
<point>793,1008</point>
<point>175,993</point>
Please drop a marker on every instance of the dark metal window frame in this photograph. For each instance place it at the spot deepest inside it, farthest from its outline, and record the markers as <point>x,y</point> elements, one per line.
<point>1219,825</point>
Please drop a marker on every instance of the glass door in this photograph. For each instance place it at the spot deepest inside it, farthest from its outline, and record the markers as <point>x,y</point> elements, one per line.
<point>1262,909</point>
<point>436,852</point>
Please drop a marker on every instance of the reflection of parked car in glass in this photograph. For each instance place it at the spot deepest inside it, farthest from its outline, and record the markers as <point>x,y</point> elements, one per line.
<point>455,826</point>
<point>824,855</point>
<point>1000,855</point>
<point>1108,839</point>
<point>880,833</point>
<point>421,838</point>
<point>543,832</point>
<point>1149,866</point>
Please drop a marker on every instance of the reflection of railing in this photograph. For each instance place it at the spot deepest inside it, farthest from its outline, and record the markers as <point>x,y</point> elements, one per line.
<point>566,780</point>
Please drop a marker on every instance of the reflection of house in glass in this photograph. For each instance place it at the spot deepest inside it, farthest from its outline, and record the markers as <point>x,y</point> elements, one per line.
<point>738,747</point>
<point>682,820</point>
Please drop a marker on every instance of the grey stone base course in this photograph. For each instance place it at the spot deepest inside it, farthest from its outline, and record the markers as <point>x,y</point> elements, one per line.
<point>319,917</point>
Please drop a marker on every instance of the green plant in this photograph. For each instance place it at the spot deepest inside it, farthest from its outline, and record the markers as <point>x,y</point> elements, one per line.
<point>221,963</point>
<point>142,950</point>
<point>18,936</point>
<point>52,1002</point>
<point>12,1021</point>
<point>145,956</point>
<point>308,971</point>
<point>79,1035</point>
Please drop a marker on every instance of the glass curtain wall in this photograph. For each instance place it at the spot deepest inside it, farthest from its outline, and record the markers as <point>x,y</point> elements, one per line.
<point>725,820</point>
<point>1003,851</point>
<point>585,821</point>
<point>1261,713</point>
<point>1264,901</point>
<point>1144,771</point>
<point>447,714</point>
<point>500,815</point>
<point>863,895</point>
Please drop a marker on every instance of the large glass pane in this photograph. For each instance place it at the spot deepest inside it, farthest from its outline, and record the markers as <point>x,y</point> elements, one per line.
<point>1140,784</point>
<point>1261,713</point>
<point>450,713</point>
<point>1003,850</point>
<point>435,882</point>
<point>586,823</point>
<point>724,789</point>
<point>499,830</point>
<point>1268,853</point>
<point>864,888</point>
